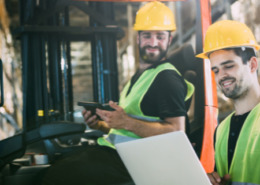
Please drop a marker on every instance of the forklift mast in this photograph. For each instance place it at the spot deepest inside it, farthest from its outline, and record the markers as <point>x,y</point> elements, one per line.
<point>46,34</point>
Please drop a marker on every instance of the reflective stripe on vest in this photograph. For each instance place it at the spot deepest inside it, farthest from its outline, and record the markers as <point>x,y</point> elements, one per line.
<point>131,103</point>
<point>245,165</point>
<point>115,138</point>
<point>242,183</point>
<point>110,140</point>
<point>145,118</point>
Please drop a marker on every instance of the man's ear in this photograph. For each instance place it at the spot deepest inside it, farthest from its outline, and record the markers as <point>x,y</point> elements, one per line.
<point>137,39</point>
<point>253,62</point>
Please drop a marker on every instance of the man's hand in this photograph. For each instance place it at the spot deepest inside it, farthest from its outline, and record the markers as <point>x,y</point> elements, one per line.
<point>90,120</point>
<point>93,122</point>
<point>215,179</point>
<point>114,119</point>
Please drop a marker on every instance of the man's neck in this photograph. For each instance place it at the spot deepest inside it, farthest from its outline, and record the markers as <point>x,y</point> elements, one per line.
<point>144,65</point>
<point>248,102</point>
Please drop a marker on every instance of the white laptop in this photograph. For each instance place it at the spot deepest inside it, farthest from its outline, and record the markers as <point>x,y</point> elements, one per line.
<point>166,159</point>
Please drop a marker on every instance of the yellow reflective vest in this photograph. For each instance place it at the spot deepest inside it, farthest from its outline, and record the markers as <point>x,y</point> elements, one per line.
<point>245,165</point>
<point>131,104</point>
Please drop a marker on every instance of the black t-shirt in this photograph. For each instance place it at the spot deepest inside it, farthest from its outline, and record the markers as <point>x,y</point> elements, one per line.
<point>165,97</point>
<point>236,124</point>
<point>235,128</point>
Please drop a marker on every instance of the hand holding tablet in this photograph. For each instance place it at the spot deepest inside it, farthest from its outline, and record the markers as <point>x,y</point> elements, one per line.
<point>91,106</point>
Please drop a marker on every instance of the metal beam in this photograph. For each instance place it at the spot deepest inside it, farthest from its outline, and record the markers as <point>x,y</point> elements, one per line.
<point>97,17</point>
<point>70,31</point>
<point>42,15</point>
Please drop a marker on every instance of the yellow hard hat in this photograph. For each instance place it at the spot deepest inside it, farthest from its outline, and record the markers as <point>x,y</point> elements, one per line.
<point>227,34</point>
<point>155,16</point>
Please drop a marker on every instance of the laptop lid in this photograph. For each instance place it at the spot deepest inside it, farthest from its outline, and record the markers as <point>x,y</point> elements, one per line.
<point>166,159</point>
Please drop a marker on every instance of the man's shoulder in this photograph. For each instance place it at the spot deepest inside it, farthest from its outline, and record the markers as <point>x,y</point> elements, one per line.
<point>226,121</point>
<point>169,74</point>
<point>169,79</point>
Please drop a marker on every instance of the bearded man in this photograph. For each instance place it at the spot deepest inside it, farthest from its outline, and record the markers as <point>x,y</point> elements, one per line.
<point>231,48</point>
<point>152,103</point>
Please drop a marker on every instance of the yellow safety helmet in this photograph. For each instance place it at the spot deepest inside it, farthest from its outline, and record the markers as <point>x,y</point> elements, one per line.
<point>227,34</point>
<point>154,16</point>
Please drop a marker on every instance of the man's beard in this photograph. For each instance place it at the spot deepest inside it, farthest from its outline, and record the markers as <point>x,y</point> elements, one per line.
<point>151,58</point>
<point>237,92</point>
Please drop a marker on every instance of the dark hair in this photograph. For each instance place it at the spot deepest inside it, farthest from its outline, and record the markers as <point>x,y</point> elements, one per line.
<point>245,53</point>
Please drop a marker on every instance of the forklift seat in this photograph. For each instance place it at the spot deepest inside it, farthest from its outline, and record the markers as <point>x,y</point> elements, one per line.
<point>184,60</point>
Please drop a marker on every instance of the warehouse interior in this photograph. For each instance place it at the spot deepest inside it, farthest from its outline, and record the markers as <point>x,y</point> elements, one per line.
<point>56,53</point>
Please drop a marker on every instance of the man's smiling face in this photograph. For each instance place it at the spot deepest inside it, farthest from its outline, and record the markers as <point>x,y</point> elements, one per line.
<point>231,74</point>
<point>153,45</point>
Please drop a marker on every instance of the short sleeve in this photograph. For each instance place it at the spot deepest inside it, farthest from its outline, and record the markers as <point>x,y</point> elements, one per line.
<point>166,96</point>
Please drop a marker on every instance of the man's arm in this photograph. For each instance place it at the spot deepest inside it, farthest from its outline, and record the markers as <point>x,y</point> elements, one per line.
<point>146,129</point>
<point>118,119</point>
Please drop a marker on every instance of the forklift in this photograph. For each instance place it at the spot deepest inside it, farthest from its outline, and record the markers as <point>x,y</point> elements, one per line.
<point>49,125</point>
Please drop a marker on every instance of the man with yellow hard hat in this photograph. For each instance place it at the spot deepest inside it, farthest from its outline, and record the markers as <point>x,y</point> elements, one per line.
<point>152,103</point>
<point>231,46</point>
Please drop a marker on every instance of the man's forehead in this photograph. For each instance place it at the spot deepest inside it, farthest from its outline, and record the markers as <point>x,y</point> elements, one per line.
<point>221,56</point>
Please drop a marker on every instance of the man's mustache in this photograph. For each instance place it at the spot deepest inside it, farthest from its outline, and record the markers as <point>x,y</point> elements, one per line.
<point>151,47</point>
<point>227,78</point>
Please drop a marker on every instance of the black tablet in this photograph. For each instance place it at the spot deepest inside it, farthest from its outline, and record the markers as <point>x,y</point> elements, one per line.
<point>91,106</point>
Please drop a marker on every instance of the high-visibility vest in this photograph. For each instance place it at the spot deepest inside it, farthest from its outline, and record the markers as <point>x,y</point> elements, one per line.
<point>245,165</point>
<point>131,104</point>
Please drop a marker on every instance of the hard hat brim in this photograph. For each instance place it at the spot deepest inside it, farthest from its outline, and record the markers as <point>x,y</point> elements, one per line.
<point>204,55</point>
